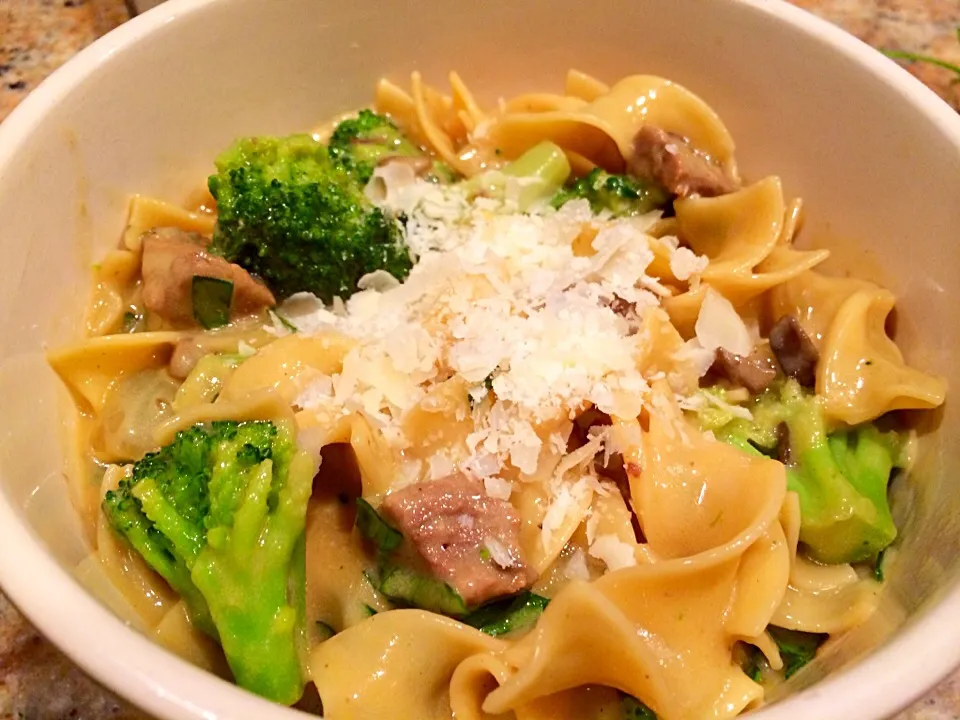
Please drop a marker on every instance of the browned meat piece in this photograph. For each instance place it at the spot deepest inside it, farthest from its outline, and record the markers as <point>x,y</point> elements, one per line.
<point>450,522</point>
<point>755,372</point>
<point>795,351</point>
<point>673,163</point>
<point>171,259</point>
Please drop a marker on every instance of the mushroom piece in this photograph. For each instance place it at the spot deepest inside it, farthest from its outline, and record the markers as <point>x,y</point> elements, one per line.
<point>755,372</point>
<point>795,351</point>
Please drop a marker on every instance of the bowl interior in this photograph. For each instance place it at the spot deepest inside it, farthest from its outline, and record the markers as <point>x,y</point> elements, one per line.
<point>147,109</point>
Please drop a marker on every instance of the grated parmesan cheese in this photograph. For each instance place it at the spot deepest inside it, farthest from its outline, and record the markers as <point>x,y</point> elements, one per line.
<point>576,567</point>
<point>684,263</point>
<point>496,299</point>
<point>614,553</point>
<point>497,487</point>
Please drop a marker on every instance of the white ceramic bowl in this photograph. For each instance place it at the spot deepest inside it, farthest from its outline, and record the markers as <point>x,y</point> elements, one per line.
<point>874,153</point>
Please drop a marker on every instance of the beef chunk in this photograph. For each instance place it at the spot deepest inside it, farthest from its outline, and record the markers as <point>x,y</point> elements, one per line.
<point>670,161</point>
<point>450,522</point>
<point>171,259</point>
<point>755,372</point>
<point>795,351</point>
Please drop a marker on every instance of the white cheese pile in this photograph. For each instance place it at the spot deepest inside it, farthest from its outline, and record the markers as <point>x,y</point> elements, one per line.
<point>504,301</point>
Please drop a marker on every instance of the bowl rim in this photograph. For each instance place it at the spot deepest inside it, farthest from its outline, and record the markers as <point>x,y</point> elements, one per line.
<point>170,688</point>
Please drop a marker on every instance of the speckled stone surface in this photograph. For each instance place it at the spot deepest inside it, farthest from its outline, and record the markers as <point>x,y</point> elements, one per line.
<point>37,682</point>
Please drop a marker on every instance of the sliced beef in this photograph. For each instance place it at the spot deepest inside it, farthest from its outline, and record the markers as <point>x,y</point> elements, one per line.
<point>670,161</point>
<point>450,522</point>
<point>795,351</point>
<point>171,259</point>
<point>755,372</point>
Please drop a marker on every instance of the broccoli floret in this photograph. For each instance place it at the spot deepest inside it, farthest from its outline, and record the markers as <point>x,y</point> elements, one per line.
<point>288,213</point>
<point>840,477</point>
<point>358,144</point>
<point>220,514</point>
<point>621,195</point>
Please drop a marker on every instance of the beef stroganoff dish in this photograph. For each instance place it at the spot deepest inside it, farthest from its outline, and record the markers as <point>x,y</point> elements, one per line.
<point>530,410</point>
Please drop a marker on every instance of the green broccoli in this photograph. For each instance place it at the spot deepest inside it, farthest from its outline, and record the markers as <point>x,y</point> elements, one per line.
<point>288,213</point>
<point>841,477</point>
<point>358,144</point>
<point>621,195</point>
<point>220,514</point>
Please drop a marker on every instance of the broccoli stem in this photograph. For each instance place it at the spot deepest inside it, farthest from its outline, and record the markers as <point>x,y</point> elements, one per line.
<point>540,172</point>
<point>245,579</point>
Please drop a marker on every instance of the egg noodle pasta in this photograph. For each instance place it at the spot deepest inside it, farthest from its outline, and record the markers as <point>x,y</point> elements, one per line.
<point>588,435</point>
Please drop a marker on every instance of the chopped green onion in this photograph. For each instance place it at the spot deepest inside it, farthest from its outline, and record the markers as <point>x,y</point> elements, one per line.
<point>509,616</point>
<point>878,573</point>
<point>369,611</point>
<point>375,528</point>
<point>211,301</point>
<point>415,590</point>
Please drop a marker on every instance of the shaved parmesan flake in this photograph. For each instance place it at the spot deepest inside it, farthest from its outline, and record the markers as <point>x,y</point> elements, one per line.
<point>440,466</point>
<point>684,263</point>
<point>592,523</point>
<point>497,487</point>
<point>719,326</point>
<point>379,280</point>
<point>566,499</point>
<point>576,567</point>
<point>736,410</point>
<point>615,553</point>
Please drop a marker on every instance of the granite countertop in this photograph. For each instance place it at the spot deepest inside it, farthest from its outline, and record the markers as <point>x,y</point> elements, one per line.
<point>37,682</point>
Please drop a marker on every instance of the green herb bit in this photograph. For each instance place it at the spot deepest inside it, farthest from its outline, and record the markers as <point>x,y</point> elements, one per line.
<point>211,301</point>
<point>796,648</point>
<point>633,709</point>
<point>131,322</point>
<point>410,588</point>
<point>369,611</point>
<point>752,662</point>
<point>509,616</point>
<point>375,528</point>
<point>878,571</point>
